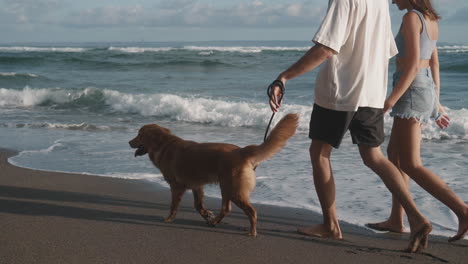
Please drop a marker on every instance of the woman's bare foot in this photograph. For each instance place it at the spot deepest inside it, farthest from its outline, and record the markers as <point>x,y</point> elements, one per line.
<point>462,229</point>
<point>419,238</point>
<point>321,231</point>
<point>387,226</point>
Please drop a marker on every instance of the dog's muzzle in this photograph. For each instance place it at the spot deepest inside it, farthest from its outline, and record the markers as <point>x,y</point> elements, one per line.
<point>140,151</point>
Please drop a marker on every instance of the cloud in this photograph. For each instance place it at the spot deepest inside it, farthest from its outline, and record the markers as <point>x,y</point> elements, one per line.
<point>457,17</point>
<point>190,13</point>
<point>186,13</point>
<point>28,11</point>
<point>107,16</point>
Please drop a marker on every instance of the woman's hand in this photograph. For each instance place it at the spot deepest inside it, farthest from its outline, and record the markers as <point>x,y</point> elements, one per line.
<point>389,103</point>
<point>444,120</point>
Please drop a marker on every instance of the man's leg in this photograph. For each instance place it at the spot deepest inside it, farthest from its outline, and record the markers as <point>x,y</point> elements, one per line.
<point>390,175</point>
<point>325,186</point>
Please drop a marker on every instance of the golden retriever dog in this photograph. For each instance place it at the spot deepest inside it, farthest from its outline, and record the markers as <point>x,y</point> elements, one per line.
<point>187,164</point>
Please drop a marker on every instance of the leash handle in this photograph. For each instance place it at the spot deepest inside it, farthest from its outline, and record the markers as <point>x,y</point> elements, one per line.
<point>270,87</point>
<point>276,83</point>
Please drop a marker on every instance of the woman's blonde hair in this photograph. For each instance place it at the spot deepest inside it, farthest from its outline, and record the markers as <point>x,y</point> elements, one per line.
<point>425,7</point>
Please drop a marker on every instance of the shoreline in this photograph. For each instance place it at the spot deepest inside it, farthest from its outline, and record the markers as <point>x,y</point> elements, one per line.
<point>56,217</point>
<point>162,184</point>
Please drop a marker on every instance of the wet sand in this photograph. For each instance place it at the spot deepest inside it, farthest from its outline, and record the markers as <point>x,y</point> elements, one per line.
<point>50,217</point>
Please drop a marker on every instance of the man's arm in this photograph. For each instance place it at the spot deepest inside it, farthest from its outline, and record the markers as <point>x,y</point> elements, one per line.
<point>311,60</point>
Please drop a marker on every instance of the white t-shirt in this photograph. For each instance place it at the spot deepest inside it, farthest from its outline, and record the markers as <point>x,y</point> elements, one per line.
<point>360,32</point>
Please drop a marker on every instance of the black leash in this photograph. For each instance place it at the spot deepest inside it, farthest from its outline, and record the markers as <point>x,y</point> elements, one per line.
<point>281,86</point>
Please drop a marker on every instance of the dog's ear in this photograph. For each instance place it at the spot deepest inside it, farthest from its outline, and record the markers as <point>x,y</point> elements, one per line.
<point>165,130</point>
<point>153,135</point>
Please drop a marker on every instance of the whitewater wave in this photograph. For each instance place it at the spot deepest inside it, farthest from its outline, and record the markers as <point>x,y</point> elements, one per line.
<point>42,49</point>
<point>14,74</point>
<point>33,97</point>
<point>56,145</point>
<point>206,50</point>
<point>81,126</point>
<point>252,49</point>
<point>218,112</point>
<point>453,49</point>
<point>139,49</point>
<point>238,49</point>
<point>249,49</point>
<point>198,110</point>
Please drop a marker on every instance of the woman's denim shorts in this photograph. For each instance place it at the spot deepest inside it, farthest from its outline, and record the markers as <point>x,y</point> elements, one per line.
<point>420,100</point>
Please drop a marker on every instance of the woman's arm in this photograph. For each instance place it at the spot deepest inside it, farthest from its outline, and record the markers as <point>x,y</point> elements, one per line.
<point>443,121</point>
<point>411,30</point>
<point>434,64</point>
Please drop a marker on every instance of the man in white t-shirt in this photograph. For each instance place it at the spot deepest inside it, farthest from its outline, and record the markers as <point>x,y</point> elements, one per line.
<point>356,42</point>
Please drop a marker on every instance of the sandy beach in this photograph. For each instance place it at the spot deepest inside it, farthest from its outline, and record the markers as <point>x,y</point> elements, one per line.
<point>50,217</point>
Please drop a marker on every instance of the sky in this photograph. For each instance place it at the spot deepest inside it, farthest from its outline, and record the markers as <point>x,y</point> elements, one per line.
<point>187,20</point>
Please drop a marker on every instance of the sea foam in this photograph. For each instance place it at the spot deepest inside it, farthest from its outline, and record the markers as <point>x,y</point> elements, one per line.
<point>14,74</point>
<point>453,49</point>
<point>206,50</point>
<point>139,49</point>
<point>31,97</point>
<point>239,49</point>
<point>41,49</point>
<point>217,112</point>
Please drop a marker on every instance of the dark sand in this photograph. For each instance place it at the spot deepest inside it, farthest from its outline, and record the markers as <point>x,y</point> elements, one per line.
<point>49,217</point>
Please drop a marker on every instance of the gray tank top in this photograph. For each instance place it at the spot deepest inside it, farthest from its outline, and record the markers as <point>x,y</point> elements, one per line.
<point>426,45</point>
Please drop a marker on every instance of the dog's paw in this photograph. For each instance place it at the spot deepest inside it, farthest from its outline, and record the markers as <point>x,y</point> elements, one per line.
<point>210,216</point>
<point>168,219</point>
<point>211,222</point>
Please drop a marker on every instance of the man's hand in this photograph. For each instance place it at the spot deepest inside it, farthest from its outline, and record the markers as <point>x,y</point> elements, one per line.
<point>275,98</point>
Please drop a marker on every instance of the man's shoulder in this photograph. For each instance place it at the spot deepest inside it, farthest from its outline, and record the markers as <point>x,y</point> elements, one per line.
<point>361,3</point>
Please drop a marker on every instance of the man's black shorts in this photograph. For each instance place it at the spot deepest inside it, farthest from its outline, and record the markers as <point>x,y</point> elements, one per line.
<point>366,126</point>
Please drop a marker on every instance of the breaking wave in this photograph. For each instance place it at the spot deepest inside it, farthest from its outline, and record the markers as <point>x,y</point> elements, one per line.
<point>218,112</point>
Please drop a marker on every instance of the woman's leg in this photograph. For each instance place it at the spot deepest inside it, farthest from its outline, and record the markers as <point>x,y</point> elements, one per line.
<point>410,162</point>
<point>391,176</point>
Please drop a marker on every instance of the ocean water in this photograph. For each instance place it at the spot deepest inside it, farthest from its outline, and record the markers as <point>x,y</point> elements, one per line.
<point>74,107</point>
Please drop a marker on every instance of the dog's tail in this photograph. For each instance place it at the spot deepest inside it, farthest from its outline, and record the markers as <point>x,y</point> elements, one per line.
<point>277,139</point>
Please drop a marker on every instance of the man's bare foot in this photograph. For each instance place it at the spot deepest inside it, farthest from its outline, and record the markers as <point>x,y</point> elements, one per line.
<point>252,233</point>
<point>387,226</point>
<point>321,231</point>
<point>462,229</point>
<point>419,238</point>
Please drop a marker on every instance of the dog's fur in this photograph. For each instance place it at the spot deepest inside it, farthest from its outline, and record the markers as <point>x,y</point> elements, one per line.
<point>190,165</point>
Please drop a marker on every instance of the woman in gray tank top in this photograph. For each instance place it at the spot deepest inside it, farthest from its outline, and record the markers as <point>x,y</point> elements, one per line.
<point>414,100</point>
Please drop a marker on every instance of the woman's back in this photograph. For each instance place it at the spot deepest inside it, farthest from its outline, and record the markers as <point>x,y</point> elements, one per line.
<point>429,33</point>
